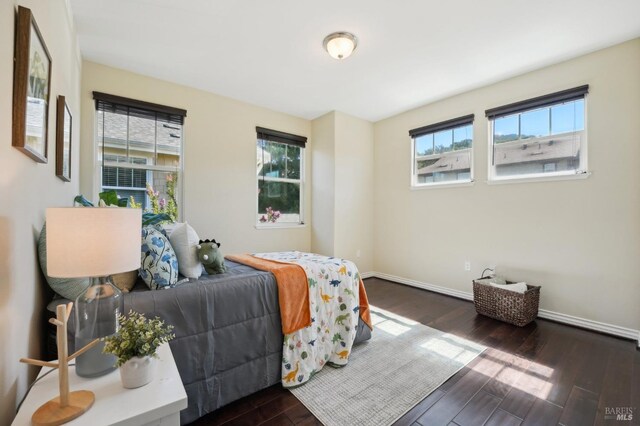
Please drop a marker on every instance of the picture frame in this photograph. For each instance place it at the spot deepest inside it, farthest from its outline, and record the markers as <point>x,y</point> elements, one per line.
<point>31,88</point>
<point>64,133</point>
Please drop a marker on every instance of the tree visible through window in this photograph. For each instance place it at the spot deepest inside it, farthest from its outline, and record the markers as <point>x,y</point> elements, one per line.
<point>539,137</point>
<point>442,152</point>
<point>279,168</point>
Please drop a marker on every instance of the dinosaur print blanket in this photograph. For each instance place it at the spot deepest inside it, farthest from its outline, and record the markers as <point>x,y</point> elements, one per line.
<point>334,298</point>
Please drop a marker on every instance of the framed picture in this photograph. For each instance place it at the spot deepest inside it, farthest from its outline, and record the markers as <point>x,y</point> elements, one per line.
<point>31,86</point>
<point>63,140</point>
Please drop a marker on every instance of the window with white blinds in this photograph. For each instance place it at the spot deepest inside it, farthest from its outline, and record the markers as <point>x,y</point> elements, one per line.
<point>139,147</point>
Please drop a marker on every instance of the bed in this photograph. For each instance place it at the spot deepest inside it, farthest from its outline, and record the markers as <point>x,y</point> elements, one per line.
<point>228,334</point>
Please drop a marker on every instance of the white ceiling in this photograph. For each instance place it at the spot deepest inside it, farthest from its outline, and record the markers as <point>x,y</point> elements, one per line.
<point>410,52</point>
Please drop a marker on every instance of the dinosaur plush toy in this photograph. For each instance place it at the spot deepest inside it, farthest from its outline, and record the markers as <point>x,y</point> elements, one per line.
<point>211,257</point>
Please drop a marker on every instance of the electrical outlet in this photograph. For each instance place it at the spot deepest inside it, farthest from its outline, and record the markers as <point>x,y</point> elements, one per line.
<point>467,265</point>
<point>358,253</point>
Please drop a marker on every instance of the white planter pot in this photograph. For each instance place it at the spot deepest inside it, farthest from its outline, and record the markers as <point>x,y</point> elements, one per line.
<point>137,372</point>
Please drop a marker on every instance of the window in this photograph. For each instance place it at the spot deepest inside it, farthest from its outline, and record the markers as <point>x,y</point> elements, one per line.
<point>127,182</point>
<point>539,137</point>
<point>441,152</point>
<point>280,176</point>
<point>139,149</point>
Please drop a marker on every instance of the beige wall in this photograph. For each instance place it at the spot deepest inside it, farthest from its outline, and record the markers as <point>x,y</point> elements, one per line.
<point>219,156</point>
<point>323,178</point>
<point>576,238</point>
<point>354,190</point>
<point>26,189</point>
<point>343,188</point>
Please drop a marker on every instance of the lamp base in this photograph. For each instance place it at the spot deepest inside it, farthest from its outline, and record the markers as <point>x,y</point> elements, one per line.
<point>52,414</point>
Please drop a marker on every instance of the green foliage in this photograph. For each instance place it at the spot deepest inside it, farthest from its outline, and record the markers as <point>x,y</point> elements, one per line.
<point>110,198</point>
<point>82,201</point>
<point>510,137</point>
<point>505,138</point>
<point>284,162</point>
<point>137,337</point>
<point>133,204</point>
<point>149,218</point>
<point>168,207</point>
<point>281,196</point>
<point>463,144</point>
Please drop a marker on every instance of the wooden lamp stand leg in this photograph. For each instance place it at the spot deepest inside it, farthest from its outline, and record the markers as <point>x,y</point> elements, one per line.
<point>69,405</point>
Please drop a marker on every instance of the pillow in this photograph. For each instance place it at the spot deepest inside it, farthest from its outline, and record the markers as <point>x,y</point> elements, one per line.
<point>517,287</point>
<point>160,227</point>
<point>168,227</point>
<point>158,262</point>
<point>69,288</point>
<point>184,240</point>
<point>125,281</point>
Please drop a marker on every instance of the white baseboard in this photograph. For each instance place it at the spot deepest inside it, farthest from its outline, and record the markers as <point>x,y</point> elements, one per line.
<point>615,330</point>
<point>431,287</point>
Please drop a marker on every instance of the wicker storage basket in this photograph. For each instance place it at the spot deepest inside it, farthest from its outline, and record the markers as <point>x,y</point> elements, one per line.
<point>504,305</point>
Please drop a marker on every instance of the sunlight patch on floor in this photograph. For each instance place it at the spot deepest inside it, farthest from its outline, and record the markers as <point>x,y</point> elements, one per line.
<point>453,347</point>
<point>392,327</point>
<point>515,371</point>
<point>389,322</point>
<point>507,368</point>
<point>391,315</point>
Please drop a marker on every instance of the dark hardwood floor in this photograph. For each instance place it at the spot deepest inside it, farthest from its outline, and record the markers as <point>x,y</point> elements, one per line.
<point>542,374</point>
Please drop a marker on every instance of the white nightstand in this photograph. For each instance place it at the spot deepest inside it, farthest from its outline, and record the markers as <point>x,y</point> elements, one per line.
<point>158,403</point>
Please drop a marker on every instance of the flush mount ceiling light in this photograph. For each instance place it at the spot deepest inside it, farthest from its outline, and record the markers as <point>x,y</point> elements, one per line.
<point>340,44</point>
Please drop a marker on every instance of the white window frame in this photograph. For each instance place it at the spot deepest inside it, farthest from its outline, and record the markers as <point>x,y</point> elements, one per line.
<point>414,185</point>
<point>301,181</point>
<point>582,173</point>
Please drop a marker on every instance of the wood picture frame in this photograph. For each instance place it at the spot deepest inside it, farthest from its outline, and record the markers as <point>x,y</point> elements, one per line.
<point>31,88</point>
<point>64,133</point>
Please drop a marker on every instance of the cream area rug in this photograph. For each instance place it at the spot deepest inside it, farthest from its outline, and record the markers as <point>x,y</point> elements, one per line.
<point>398,367</point>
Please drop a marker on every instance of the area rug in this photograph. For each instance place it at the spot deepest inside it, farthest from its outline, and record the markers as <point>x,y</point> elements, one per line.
<point>387,376</point>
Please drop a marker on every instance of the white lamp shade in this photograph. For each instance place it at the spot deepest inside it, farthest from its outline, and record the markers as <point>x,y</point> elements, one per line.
<point>92,241</point>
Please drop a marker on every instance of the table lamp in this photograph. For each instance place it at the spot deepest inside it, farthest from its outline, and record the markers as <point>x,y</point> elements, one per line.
<point>94,242</point>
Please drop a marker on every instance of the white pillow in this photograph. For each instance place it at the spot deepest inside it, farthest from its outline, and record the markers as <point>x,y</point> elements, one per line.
<point>184,240</point>
<point>517,287</point>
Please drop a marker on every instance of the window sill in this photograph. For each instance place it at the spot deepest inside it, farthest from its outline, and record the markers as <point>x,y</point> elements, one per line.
<point>572,176</point>
<point>441,185</point>
<point>280,226</point>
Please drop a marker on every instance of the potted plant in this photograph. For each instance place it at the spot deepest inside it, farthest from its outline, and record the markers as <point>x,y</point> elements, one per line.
<point>135,345</point>
<point>110,198</point>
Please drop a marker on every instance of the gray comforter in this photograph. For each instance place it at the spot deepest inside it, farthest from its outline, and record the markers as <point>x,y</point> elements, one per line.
<point>228,335</point>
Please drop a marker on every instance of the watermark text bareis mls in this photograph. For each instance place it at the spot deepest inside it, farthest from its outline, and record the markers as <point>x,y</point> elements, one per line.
<point>619,413</point>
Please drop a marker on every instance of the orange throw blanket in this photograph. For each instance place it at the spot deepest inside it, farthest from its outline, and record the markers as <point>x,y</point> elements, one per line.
<point>363,302</point>
<point>293,292</point>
